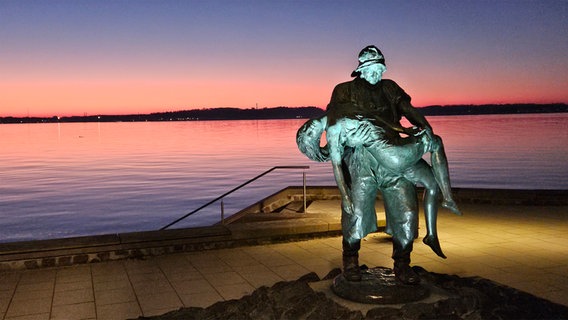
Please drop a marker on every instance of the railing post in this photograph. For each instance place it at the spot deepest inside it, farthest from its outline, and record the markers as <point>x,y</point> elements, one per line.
<point>222,212</point>
<point>304,183</point>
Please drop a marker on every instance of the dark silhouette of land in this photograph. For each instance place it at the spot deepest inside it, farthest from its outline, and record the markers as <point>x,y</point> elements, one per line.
<point>287,113</point>
<point>452,110</point>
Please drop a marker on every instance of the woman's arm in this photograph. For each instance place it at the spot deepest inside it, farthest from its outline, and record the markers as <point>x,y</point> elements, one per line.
<point>335,144</point>
<point>346,201</point>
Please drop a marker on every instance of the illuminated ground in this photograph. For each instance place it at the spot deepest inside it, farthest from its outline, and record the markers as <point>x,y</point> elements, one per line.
<point>520,246</point>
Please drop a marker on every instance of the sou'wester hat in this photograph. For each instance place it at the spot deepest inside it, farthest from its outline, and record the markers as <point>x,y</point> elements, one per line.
<point>368,56</point>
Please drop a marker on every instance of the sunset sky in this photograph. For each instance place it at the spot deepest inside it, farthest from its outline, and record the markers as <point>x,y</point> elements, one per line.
<point>123,57</point>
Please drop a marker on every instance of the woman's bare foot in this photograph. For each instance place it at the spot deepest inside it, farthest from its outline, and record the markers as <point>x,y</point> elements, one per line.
<point>452,206</point>
<point>434,243</point>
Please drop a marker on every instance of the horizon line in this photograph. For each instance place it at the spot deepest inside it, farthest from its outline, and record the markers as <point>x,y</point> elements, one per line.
<point>85,114</point>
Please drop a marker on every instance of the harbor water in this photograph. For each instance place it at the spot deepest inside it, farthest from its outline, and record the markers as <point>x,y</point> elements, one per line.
<point>73,179</point>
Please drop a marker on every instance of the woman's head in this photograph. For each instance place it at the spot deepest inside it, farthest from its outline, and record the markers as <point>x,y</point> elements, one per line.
<point>308,139</point>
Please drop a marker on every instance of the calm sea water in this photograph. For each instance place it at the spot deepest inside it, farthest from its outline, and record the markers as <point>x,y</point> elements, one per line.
<point>72,179</point>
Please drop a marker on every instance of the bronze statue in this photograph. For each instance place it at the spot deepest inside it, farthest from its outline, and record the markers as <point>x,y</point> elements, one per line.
<point>368,154</point>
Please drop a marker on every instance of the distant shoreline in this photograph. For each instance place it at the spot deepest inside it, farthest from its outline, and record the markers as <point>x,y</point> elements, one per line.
<point>288,113</point>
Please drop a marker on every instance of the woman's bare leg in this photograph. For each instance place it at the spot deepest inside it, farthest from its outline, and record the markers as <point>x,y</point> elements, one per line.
<point>442,175</point>
<point>422,173</point>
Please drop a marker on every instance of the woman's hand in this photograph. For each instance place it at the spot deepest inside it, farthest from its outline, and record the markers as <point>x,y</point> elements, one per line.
<point>347,205</point>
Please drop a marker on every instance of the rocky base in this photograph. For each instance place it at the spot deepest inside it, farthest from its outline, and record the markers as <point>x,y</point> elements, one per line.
<point>378,286</point>
<point>467,298</point>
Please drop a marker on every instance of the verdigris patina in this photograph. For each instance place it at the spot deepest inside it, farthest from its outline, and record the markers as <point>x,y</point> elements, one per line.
<point>371,151</point>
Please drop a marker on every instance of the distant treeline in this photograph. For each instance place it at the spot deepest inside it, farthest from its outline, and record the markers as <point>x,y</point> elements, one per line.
<point>288,113</point>
<point>185,115</point>
<point>493,109</point>
<point>241,114</point>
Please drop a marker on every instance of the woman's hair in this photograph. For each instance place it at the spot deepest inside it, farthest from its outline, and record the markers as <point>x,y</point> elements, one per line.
<point>308,139</point>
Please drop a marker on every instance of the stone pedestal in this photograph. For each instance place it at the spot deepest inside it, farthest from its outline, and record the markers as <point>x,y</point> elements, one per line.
<point>378,286</point>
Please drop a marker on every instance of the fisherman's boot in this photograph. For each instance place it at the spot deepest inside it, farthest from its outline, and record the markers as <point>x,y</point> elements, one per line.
<point>351,269</point>
<point>404,273</point>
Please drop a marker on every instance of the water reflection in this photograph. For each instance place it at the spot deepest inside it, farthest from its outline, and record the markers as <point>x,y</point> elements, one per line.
<point>84,178</point>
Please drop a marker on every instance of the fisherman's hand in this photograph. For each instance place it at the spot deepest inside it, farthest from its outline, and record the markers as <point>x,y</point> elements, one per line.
<point>430,133</point>
<point>414,131</point>
<point>364,132</point>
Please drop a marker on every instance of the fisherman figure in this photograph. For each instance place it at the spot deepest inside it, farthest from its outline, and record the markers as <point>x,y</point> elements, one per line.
<point>373,108</point>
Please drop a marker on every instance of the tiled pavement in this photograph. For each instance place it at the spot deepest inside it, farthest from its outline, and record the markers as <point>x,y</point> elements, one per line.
<point>523,247</point>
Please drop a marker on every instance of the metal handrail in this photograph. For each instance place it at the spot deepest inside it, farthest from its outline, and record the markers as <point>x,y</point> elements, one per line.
<point>235,189</point>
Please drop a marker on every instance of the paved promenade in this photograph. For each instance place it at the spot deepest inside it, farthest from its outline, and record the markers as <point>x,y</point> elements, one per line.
<point>525,247</point>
